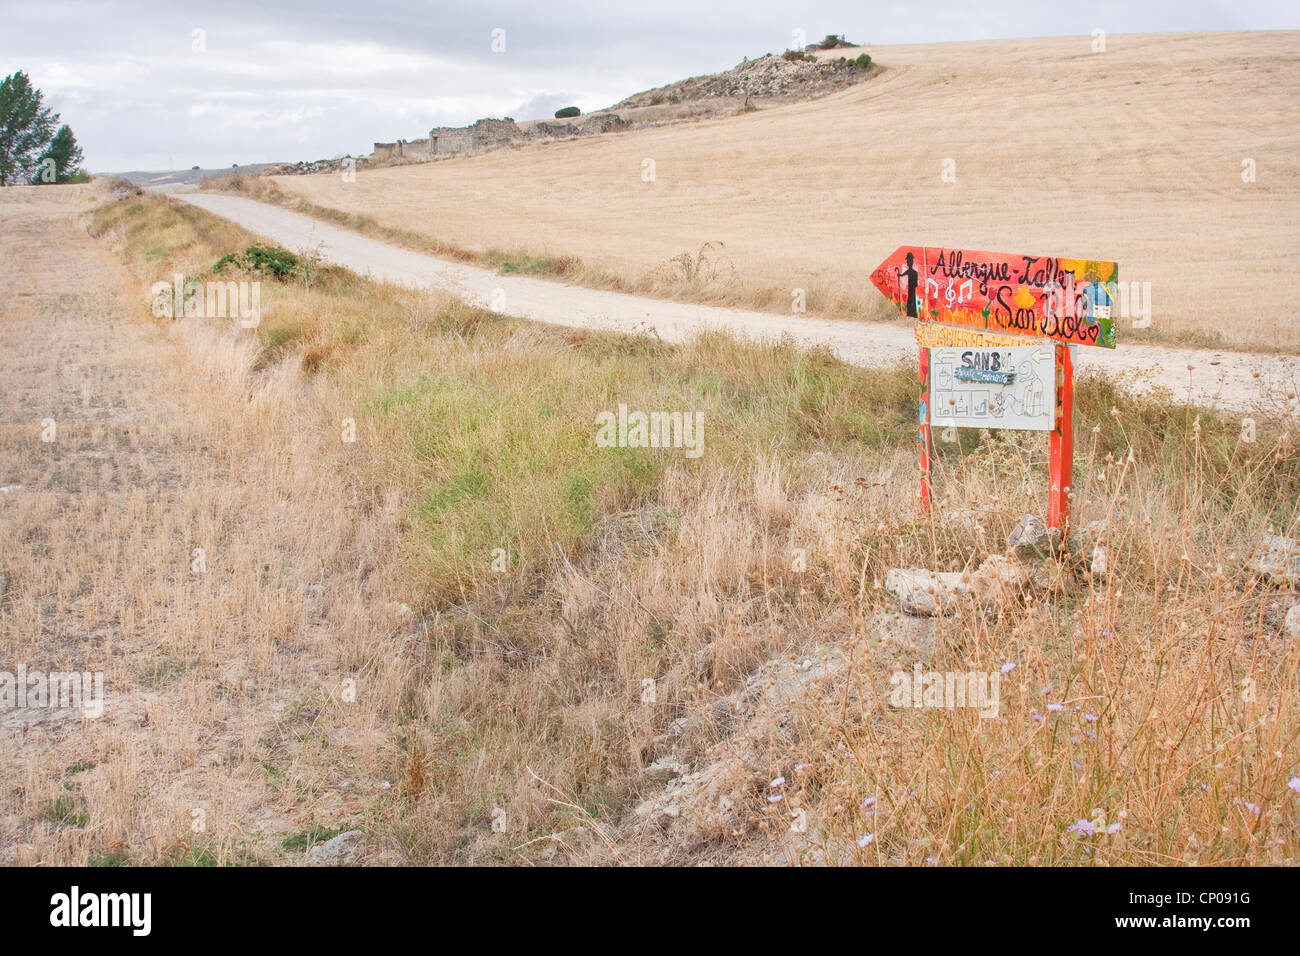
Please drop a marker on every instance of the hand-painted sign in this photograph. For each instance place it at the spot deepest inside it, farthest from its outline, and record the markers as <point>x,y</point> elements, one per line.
<point>994,387</point>
<point>931,335</point>
<point>1069,300</point>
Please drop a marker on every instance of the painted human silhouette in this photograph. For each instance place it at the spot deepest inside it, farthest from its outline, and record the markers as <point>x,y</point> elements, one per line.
<point>910,275</point>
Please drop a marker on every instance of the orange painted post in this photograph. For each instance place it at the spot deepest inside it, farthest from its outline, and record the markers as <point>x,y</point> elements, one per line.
<point>925,430</point>
<point>1062,443</point>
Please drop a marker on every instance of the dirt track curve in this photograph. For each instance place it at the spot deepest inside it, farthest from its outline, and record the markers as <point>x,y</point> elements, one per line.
<point>1228,379</point>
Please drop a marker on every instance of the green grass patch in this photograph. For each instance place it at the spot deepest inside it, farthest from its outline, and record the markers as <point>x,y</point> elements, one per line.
<point>68,811</point>
<point>304,840</point>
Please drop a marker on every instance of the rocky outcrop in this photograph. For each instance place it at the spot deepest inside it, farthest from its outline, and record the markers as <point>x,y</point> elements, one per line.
<point>768,77</point>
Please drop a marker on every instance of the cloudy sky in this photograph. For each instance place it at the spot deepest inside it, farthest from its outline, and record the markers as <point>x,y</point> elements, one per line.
<point>153,85</point>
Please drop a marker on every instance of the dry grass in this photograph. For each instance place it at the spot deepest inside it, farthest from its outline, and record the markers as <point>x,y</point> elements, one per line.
<point>506,712</point>
<point>223,685</point>
<point>1160,696</point>
<point>813,195</point>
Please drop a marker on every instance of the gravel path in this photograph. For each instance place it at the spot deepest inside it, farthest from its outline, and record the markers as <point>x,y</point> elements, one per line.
<point>1229,379</point>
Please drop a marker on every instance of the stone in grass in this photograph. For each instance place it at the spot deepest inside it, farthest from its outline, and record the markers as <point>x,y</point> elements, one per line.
<point>1277,559</point>
<point>924,593</point>
<point>346,849</point>
<point>1031,539</point>
<point>1293,623</point>
<point>665,769</point>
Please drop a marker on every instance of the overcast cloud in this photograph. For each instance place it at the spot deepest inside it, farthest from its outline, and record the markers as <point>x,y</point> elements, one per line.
<point>285,81</point>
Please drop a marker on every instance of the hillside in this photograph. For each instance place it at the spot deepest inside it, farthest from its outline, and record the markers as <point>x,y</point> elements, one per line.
<point>750,84</point>
<point>1136,154</point>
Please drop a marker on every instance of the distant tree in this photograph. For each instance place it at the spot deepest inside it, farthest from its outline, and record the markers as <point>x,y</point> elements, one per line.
<point>567,112</point>
<point>834,41</point>
<point>26,127</point>
<point>61,161</point>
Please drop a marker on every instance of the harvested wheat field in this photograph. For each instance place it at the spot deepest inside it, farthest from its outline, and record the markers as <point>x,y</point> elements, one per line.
<point>1176,155</point>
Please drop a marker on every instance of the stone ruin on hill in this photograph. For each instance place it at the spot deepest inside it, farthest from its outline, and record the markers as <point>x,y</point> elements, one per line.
<point>488,134</point>
<point>449,140</point>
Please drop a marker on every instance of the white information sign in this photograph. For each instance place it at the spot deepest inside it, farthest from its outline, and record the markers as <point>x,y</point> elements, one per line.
<point>1011,387</point>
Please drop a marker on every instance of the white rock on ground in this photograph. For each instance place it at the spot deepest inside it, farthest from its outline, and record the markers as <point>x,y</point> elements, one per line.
<point>925,593</point>
<point>1277,559</point>
<point>346,849</point>
<point>1293,623</point>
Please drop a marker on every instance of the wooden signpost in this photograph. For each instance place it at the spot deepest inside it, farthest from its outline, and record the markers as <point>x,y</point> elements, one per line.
<point>994,335</point>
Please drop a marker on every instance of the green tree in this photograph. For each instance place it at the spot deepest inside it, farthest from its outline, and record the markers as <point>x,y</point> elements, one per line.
<point>61,161</point>
<point>26,127</point>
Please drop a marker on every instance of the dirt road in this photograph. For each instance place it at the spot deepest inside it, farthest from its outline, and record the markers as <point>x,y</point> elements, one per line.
<point>1228,379</point>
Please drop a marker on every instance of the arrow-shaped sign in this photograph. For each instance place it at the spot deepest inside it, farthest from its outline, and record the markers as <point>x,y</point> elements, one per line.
<point>1069,300</point>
